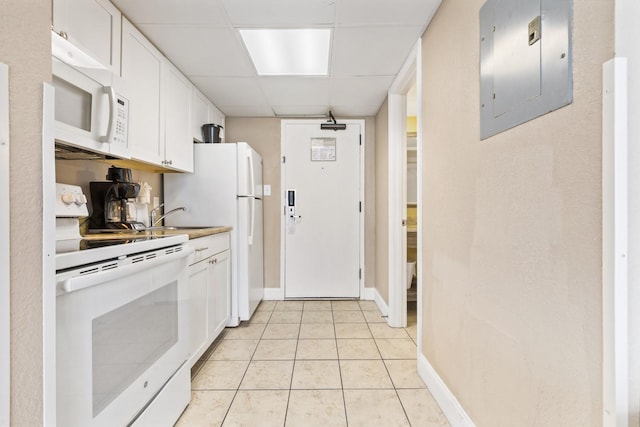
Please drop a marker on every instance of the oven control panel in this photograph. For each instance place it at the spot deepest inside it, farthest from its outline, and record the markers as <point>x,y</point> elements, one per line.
<point>70,201</point>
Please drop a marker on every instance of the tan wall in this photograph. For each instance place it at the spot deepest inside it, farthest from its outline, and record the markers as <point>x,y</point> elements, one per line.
<point>26,47</point>
<point>264,135</point>
<point>512,234</point>
<point>382,201</point>
<point>82,172</point>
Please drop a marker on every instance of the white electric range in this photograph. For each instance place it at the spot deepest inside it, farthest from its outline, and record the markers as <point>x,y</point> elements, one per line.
<point>121,323</point>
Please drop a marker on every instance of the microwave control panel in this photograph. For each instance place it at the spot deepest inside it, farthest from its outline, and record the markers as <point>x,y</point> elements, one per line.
<point>121,123</point>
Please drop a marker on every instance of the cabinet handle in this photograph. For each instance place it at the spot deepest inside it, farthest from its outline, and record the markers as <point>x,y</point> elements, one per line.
<point>64,35</point>
<point>201,249</point>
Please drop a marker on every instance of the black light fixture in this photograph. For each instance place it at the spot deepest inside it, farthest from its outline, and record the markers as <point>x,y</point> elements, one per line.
<point>333,126</point>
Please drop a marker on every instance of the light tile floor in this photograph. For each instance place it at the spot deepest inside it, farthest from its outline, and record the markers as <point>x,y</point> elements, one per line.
<point>313,363</point>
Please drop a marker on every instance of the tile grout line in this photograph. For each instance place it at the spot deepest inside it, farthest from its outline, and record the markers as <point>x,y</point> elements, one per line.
<point>344,400</point>
<point>226,414</point>
<point>293,369</point>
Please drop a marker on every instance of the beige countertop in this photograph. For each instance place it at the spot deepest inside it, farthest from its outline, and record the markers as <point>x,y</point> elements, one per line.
<point>192,232</point>
<point>195,232</point>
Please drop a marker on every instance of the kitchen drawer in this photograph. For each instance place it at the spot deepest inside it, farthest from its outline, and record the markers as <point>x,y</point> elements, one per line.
<point>209,245</point>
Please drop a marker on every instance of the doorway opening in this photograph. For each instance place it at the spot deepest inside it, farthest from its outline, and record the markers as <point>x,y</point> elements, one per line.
<point>413,262</point>
<point>405,159</point>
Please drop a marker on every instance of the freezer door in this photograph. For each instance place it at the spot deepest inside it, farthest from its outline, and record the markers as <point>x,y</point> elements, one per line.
<point>249,171</point>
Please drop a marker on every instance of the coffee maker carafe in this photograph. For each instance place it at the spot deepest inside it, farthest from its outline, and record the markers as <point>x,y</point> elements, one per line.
<point>113,206</point>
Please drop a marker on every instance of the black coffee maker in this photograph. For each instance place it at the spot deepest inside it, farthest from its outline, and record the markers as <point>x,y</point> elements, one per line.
<point>113,207</point>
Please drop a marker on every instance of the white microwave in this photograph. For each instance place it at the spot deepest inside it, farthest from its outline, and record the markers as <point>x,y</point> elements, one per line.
<point>88,114</point>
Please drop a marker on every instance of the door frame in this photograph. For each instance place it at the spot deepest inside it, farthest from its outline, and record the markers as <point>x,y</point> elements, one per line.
<point>283,197</point>
<point>410,73</point>
<point>5,229</point>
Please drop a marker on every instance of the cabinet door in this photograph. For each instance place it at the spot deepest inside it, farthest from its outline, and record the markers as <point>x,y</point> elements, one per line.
<point>199,114</point>
<point>141,73</point>
<point>220,294</point>
<point>177,114</point>
<point>199,278</point>
<point>94,27</point>
<point>216,116</point>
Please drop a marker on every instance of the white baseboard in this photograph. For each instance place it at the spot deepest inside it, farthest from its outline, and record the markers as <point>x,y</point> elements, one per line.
<point>451,408</point>
<point>277,294</point>
<point>380,302</point>
<point>368,294</point>
<point>273,294</point>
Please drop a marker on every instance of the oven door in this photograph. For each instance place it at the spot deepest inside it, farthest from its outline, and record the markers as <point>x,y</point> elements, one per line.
<point>120,338</point>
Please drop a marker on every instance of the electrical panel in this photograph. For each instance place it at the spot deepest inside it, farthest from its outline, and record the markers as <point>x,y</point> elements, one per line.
<point>525,61</point>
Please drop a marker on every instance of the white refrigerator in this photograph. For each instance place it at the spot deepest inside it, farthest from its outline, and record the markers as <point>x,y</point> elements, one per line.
<point>226,189</point>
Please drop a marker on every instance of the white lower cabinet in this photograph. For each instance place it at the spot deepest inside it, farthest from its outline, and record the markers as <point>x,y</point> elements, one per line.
<point>209,292</point>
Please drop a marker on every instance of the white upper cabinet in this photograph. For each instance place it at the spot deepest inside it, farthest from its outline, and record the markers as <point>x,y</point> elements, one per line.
<point>199,114</point>
<point>141,74</point>
<point>178,141</point>
<point>203,111</point>
<point>94,26</point>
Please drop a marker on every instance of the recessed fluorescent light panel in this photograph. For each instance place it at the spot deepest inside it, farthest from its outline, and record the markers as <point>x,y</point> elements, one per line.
<point>291,52</point>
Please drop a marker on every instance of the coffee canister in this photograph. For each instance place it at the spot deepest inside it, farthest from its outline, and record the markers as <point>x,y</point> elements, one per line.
<point>211,132</point>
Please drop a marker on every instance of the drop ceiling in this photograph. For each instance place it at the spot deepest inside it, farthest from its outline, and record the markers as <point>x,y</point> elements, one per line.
<point>371,39</point>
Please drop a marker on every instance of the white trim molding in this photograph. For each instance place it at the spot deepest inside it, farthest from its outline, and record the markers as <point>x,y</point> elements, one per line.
<point>451,408</point>
<point>5,264</point>
<point>48,254</point>
<point>397,136</point>
<point>615,285</point>
<point>382,305</point>
<point>368,294</point>
<point>273,294</point>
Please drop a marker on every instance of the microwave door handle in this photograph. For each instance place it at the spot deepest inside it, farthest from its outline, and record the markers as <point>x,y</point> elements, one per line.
<point>109,90</point>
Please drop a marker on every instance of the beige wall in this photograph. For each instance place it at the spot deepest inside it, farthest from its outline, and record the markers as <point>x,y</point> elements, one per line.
<point>264,135</point>
<point>512,234</point>
<point>382,201</point>
<point>25,45</point>
<point>82,172</point>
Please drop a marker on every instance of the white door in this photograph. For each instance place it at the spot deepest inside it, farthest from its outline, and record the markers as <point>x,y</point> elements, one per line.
<point>322,208</point>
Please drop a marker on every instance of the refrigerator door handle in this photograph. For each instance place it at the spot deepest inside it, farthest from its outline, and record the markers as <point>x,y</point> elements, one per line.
<point>253,220</point>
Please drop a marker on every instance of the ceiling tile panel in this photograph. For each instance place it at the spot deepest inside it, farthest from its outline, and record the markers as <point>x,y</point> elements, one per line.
<point>371,51</point>
<point>230,91</point>
<point>210,12</point>
<point>198,50</point>
<point>288,13</point>
<point>398,12</point>
<point>247,111</point>
<point>359,91</point>
<point>295,90</point>
<point>355,110</point>
<point>301,111</point>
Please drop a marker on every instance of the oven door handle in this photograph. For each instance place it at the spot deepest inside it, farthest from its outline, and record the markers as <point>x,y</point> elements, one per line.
<point>81,282</point>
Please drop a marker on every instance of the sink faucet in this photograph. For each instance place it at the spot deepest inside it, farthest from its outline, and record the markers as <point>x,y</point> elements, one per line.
<point>153,221</point>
